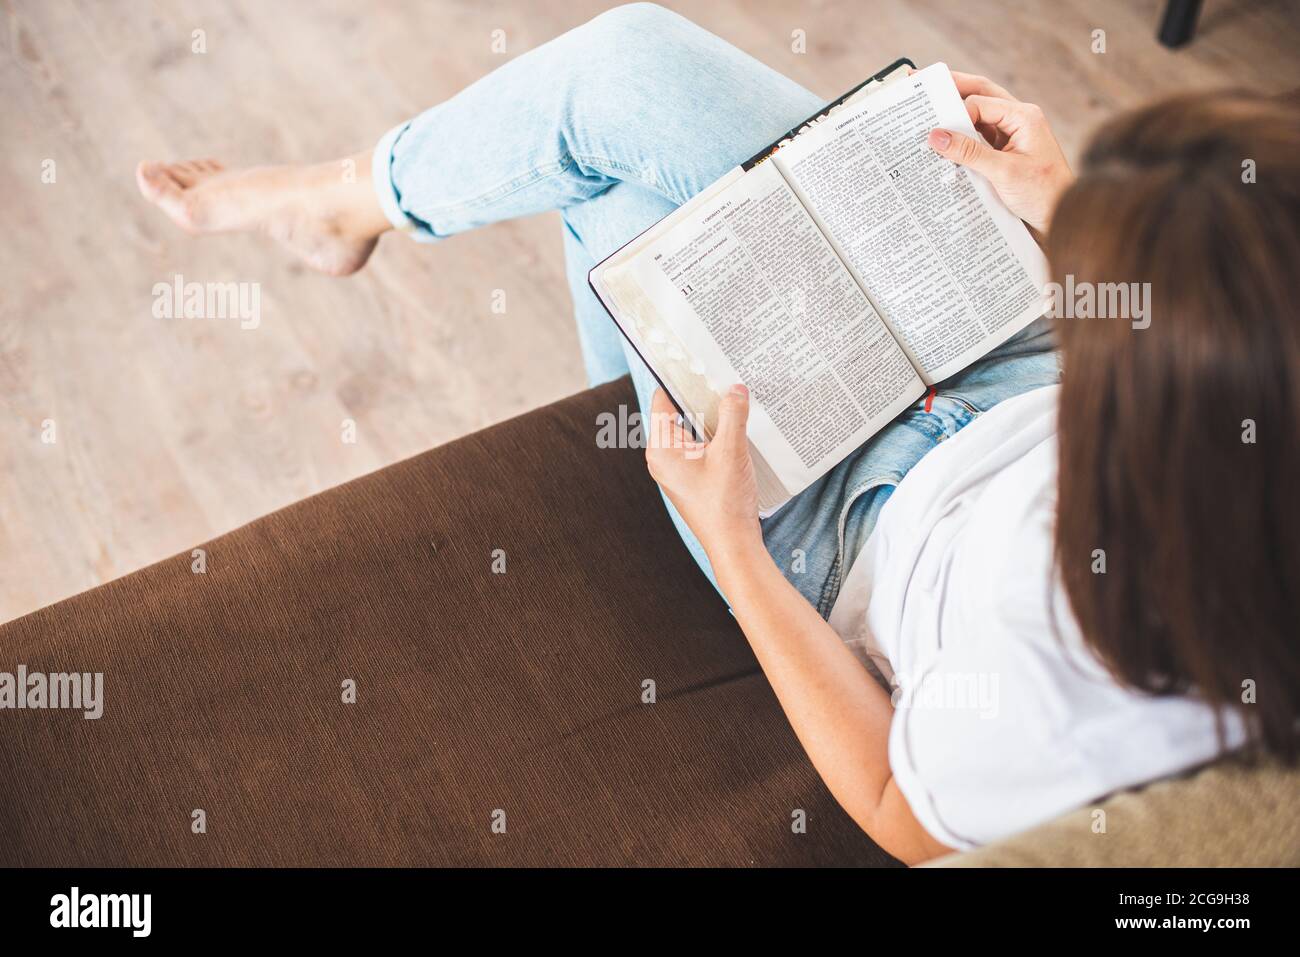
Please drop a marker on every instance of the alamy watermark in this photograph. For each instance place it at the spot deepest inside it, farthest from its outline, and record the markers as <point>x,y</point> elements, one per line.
<point>179,299</point>
<point>975,691</point>
<point>1101,300</point>
<point>633,429</point>
<point>73,691</point>
<point>133,912</point>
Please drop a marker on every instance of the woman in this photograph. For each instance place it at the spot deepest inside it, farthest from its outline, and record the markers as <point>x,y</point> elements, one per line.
<point>1052,632</point>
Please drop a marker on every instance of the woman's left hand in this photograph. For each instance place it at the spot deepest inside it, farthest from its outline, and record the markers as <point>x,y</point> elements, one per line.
<point>839,713</point>
<point>1016,150</point>
<point>711,484</point>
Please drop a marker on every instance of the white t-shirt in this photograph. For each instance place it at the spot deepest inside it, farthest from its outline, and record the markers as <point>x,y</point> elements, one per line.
<point>1003,718</point>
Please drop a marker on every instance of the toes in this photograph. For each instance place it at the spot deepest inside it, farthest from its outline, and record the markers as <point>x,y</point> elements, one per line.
<point>189,172</point>
<point>163,184</point>
<point>159,179</point>
<point>185,172</point>
<point>155,181</point>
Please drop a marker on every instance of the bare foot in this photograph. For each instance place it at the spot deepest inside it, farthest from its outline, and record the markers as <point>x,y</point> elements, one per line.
<point>330,222</point>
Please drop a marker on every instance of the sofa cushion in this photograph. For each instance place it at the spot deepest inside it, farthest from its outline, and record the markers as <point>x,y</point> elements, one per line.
<point>1223,815</point>
<point>477,692</point>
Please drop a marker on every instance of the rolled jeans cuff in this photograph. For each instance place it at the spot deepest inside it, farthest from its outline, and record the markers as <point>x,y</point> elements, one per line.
<point>381,174</point>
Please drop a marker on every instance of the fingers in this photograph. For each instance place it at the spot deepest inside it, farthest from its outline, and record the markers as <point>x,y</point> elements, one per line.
<point>1006,115</point>
<point>971,84</point>
<point>972,153</point>
<point>733,416</point>
<point>666,430</point>
<point>993,136</point>
<point>667,440</point>
<point>664,438</point>
<point>661,404</point>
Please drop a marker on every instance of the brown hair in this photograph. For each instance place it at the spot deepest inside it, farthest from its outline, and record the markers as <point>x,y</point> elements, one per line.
<point>1180,442</point>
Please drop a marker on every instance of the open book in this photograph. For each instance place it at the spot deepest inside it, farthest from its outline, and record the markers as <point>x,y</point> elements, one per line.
<point>838,274</point>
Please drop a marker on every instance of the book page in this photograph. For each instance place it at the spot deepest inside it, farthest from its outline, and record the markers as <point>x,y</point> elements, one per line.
<point>953,272</point>
<point>753,292</point>
<point>662,350</point>
<point>682,376</point>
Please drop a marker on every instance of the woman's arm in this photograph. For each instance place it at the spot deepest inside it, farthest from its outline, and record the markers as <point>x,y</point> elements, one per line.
<point>836,708</point>
<point>838,711</point>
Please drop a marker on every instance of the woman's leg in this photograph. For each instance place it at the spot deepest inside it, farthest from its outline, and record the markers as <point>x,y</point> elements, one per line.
<point>639,98</point>
<point>639,95</point>
<point>615,123</point>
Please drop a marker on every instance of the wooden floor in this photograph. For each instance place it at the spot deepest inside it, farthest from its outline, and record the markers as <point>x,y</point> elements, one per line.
<point>167,433</point>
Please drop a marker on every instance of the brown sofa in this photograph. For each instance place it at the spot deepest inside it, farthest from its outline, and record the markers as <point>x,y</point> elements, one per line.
<point>482,698</point>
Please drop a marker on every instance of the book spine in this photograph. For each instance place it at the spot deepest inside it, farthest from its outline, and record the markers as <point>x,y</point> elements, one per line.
<point>772,147</point>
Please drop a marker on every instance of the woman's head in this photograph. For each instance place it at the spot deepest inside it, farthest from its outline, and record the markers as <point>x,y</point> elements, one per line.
<point>1178,533</point>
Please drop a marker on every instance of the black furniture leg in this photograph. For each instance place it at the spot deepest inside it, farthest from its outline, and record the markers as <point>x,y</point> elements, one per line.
<point>1178,23</point>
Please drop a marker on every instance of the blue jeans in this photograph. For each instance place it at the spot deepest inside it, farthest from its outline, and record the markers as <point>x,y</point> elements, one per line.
<point>615,124</point>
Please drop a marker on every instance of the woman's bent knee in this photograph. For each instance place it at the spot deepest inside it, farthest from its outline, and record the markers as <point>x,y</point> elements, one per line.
<point>651,32</point>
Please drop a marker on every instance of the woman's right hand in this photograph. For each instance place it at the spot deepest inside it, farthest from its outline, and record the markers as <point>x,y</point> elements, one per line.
<point>1018,154</point>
